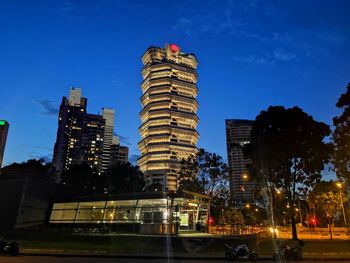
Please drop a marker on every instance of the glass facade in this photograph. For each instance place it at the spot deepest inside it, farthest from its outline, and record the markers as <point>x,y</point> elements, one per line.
<point>186,213</point>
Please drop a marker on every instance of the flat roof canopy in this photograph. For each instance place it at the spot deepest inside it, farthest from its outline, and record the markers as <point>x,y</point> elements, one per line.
<point>143,208</point>
<point>139,195</point>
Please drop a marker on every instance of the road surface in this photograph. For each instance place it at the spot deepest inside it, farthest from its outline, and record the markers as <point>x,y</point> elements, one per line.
<point>45,259</point>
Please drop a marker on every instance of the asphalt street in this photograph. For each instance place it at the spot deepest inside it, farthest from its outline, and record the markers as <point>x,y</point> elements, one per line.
<point>45,259</point>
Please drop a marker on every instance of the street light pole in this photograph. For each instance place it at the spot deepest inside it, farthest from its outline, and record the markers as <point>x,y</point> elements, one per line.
<point>301,217</point>
<point>342,207</point>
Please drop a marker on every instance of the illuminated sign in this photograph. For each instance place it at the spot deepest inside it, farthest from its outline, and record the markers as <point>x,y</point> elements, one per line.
<point>2,123</point>
<point>184,220</point>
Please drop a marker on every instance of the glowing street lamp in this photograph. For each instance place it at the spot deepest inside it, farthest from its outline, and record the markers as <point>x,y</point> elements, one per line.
<point>245,176</point>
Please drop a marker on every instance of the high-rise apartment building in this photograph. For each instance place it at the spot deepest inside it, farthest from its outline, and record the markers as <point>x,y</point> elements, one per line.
<point>168,115</point>
<point>82,137</point>
<point>92,135</point>
<point>119,154</point>
<point>4,127</point>
<point>108,116</point>
<point>70,119</point>
<point>237,135</point>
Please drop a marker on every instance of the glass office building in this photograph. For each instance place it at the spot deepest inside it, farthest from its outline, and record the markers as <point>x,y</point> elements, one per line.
<point>147,213</point>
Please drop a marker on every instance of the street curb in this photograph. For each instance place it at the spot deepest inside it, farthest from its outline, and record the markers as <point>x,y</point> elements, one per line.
<point>160,257</point>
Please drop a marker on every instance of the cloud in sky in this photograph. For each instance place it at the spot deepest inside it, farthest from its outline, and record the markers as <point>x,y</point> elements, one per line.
<point>123,139</point>
<point>48,108</point>
<point>314,41</point>
<point>282,56</point>
<point>255,60</point>
<point>282,39</point>
<point>267,59</point>
<point>223,16</point>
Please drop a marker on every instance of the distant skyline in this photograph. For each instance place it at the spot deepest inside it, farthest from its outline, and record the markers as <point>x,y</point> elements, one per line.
<point>252,54</point>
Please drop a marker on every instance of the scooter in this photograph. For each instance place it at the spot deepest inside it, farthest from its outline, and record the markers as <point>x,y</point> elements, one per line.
<point>288,253</point>
<point>10,248</point>
<point>240,252</point>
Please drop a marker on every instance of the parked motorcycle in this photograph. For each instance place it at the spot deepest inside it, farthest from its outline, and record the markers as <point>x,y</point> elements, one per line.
<point>10,248</point>
<point>240,252</point>
<point>289,253</point>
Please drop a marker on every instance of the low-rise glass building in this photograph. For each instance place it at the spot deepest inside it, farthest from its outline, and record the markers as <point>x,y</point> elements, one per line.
<point>148,213</point>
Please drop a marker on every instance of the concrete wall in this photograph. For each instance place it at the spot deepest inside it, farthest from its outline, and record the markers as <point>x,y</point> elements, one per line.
<point>26,202</point>
<point>11,192</point>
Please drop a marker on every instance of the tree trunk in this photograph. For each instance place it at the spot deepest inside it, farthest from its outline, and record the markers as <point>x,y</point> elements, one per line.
<point>294,226</point>
<point>330,227</point>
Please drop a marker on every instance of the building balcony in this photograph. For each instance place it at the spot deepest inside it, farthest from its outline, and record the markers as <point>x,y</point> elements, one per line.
<point>167,66</point>
<point>173,95</point>
<point>172,130</point>
<point>167,120</point>
<point>165,138</point>
<point>162,75</point>
<point>168,112</point>
<point>180,100</point>
<point>163,105</point>
<point>191,87</point>
<point>172,145</point>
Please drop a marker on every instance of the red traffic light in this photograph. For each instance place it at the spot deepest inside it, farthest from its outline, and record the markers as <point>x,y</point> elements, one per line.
<point>313,221</point>
<point>211,221</point>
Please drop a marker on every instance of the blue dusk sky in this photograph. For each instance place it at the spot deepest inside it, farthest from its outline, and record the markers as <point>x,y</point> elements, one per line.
<point>251,54</point>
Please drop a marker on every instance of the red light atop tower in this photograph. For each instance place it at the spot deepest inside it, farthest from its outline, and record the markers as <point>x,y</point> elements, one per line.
<point>174,48</point>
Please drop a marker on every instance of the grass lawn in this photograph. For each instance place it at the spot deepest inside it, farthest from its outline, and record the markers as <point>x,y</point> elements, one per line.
<point>312,246</point>
<point>93,243</point>
<point>137,245</point>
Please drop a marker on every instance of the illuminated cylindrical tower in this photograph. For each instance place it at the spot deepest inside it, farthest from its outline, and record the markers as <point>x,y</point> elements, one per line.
<point>168,115</point>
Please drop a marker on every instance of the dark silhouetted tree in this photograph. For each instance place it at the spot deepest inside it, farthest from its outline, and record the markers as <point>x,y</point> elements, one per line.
<point>124,178</point>
<point>233,217</point>
<point>189,174</point>
<point>85,176</point>
<point>341,138</point>
<point>288,151</point>
<point>32,168</point>
<point>206,174</point>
